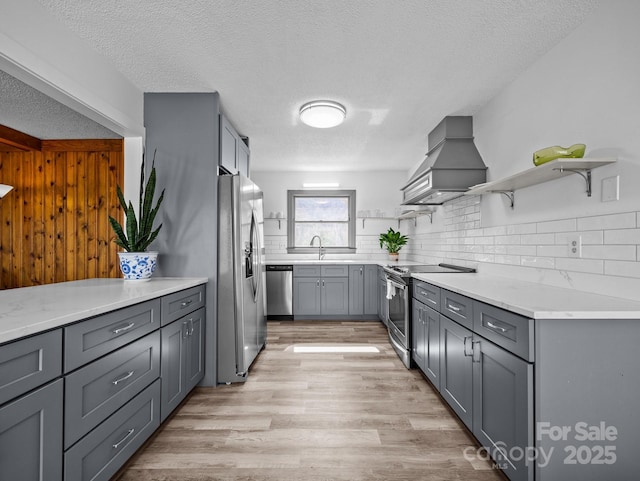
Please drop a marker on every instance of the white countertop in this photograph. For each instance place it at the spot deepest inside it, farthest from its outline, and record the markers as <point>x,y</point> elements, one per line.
<point>378,262</point>
<point>30,310</point>
<point>537,301</point>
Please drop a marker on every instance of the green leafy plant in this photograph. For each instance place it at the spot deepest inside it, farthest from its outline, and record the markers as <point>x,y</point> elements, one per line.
<point>392,240</point>
<point>139,235</point>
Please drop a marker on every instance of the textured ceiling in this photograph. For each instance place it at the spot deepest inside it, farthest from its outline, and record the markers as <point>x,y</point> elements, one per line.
<point>30,111</point>
<point>398,66</point>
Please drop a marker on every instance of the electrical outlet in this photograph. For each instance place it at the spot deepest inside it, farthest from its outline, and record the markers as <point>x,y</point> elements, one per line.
<point>574,242</point>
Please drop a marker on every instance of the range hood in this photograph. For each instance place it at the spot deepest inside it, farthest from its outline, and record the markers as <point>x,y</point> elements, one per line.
<point>453,164</point>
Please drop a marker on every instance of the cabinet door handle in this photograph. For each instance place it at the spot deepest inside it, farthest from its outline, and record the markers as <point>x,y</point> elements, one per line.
<point>465,346</point>
<point>123,378</point>
<point>126,436</point>
<point>185,325</point>
<point>191,328</point>
<point>123,329</point>
<point>475,354</point>
<point>495,326</point>
<point>361,271</point>
<point>186,303</point>
<point>318,283</point>
<point>322,282</point>
<point>453,308</point>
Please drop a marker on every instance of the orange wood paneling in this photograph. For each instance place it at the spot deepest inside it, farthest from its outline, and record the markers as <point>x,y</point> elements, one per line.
<point>54,224</point>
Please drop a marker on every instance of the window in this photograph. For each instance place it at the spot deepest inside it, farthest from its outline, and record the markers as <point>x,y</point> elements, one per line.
<point>327,213</point>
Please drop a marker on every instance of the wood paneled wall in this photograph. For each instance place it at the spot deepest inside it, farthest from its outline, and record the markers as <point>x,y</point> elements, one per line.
<point>55,223</point>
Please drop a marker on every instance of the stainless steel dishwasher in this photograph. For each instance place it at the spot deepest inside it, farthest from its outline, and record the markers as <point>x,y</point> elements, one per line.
<point>280,292</point>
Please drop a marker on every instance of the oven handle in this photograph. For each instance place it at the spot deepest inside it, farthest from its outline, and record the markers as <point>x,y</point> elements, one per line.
<point>396,343</point>
<point>396,285</point>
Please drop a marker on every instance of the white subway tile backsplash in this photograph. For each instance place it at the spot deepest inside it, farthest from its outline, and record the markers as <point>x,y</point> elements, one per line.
<point>553,251</point>
<point>580,265</point>
<point>521,229</point>
<point>507,239</point>
<point>499,230</point>
<point>589,237</point>
<point>538,239</point>
<point>622,236</point>
<point>611,221</point>
<point>518,250</point>
<point>565,225</point>
<point>622,268</point>
<point>538,262</point>
<point>621,252</point>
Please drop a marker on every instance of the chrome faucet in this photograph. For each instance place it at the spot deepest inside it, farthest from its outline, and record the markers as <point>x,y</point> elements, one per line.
<point>320,252</point>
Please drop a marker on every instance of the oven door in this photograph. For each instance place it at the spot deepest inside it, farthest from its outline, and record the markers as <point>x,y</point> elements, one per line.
<point>398,320</point>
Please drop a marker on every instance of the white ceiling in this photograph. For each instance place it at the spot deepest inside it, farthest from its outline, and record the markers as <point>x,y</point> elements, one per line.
<point>398,66</point>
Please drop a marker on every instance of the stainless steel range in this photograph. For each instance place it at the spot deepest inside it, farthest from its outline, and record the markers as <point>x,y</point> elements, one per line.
<point>399,293</point>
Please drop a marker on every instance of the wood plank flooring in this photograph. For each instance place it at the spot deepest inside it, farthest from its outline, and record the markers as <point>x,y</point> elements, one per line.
<point>316,417</point>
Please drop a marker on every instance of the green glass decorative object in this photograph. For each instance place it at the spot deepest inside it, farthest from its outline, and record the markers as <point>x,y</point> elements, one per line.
<point>575,151</point>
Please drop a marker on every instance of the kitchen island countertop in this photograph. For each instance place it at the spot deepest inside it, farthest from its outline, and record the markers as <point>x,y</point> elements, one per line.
<point>30,310</point>
<point>533,300</point>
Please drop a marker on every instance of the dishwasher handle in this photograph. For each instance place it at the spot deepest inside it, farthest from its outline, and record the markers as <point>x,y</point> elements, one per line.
<point>279,268</point>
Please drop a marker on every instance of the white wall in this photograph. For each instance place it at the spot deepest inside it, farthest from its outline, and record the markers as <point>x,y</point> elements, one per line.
<point>585,90</point>
<point>378,190</point>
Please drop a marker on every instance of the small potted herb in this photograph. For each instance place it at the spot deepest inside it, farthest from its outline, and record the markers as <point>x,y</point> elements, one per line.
<point>393,241</point>
<point>136,263</point>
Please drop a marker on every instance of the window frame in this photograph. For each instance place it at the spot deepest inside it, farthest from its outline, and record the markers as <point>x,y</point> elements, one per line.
<point>291,221</point>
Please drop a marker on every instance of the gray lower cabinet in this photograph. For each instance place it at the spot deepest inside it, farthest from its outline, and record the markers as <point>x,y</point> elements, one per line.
<point>363,290</point>
<point>456,368</point>
<point>426,341</point>
<point>31,436</point>
<point>382,301</point>
<point>503,407</point>
<point>306,296</point>
<point>97,390</point>
<point>99,455</point>
<point>182,361</point>
<point>334,299</point>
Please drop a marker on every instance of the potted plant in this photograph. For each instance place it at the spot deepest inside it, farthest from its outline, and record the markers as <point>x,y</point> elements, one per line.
<point>393,241</point>
<point>136,263</point>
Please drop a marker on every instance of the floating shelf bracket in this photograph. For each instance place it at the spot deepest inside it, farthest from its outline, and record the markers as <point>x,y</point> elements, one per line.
<point>509,194</point>
<point>584,173</point>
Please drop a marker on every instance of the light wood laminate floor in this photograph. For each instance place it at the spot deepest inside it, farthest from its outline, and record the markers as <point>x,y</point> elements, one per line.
<point>316,417</point>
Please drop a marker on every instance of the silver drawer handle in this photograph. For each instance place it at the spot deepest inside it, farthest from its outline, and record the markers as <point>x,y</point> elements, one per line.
<point>424,293</point>
<point>124,378</point>
<point>186,303</point>
<point>493,326</point>
<point>125,328</point>
<point>126,436</point>
<point>453,308</point>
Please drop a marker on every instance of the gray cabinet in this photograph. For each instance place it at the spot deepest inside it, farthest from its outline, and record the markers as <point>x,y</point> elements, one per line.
<point>320,291</point>
<point>370,290</point>
<point>503,406</point>
<point>234,152</point>
<point>28,363</point>
<point>31,436</point>
<point>426,341</point>
<point>182,360</point>
<point>456,368</point>
<point>99,455</point>
<point>383,307</point>
<point>356,290</point>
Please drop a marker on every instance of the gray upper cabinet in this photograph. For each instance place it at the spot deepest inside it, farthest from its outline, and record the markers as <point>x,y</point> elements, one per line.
<point>234,152</point>
<point>31,436</point>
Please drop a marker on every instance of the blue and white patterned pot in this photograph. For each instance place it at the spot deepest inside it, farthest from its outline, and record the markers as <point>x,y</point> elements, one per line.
<point>138,266</point>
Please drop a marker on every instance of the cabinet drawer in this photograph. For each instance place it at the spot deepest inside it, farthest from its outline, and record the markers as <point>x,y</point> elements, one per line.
<point>427,294</point>
<point>334,271</point>
<point>511,331</point>
<point>91,339</point>
<point>457,307</point>
<point>102,452</point>
<point>176,305</point>
<point>29,363</point>
<point>99,389</point>
<point>306,271</point>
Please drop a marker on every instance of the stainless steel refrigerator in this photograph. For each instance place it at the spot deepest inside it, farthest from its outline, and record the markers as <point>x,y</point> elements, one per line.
<point>242,321</point>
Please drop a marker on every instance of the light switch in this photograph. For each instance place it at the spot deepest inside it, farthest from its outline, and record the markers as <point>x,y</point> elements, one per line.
<point>611,188</point>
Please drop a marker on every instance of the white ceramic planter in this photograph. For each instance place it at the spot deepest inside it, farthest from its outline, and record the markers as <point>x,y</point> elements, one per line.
<point>138,266</point>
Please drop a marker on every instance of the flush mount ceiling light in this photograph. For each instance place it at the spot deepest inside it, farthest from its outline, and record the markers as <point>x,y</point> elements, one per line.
<point>320,185</point>
<point>322,114</point>
<point>4,190</point>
